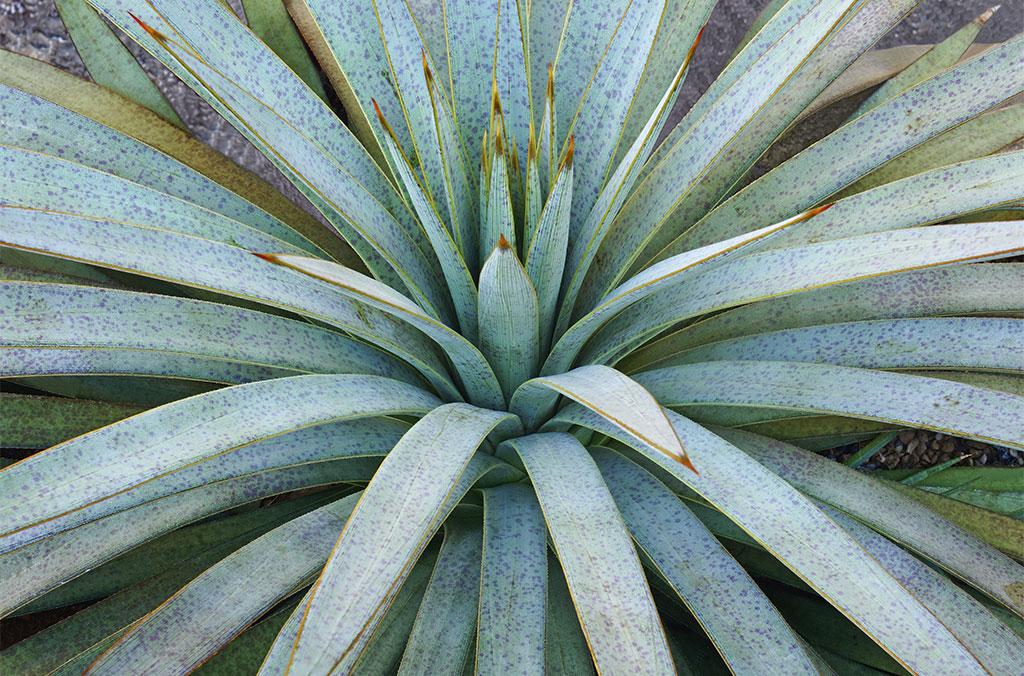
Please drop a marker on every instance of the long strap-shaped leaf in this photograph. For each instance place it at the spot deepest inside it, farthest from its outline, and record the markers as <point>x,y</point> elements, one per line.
<point>688,160</point>
<point>963,342</point>
<point>664,276</point>
<point>511,631</point>
<point>401,508</point>
<point>745,627</point>
<point>483,471</point>
<point>998,649</point>
<point>37,315</point>
<point>108,61</point>
<point>269,20</point>
<point>877,138</point>
<point>915,401</point>
<point>204,264</point>
<point>776,273</point>
<point>132,143</point>
<point>31,421</point>
<point>891,512</point>
<point>199,619</point>
<point>43,565</point>
<point>363,441</point>
<point>126,454</point>
<point>440,647</point>
<point>586,239</point>
<point>44,182</point>
<point>960,289</point>
<point>605,577</point>
<point>610,394</point>
<point>475,373</point>
<point>938,58</point>
<point>453,265</point>
<point>795,531</point>
<point>53,131</point>
<point>340,180</point>
<point>926,197</point>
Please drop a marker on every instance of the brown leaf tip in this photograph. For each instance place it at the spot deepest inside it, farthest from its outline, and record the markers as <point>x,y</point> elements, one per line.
<point>426,68</point>
<point>503,243</point>
<point>551,83</point>
<point>820,210</point>
<point>265,256</point>
<point>685,462</point>
<point>570,151</point>
<point>986,15</point>
<point>693,47</point>
<point>153,33</point>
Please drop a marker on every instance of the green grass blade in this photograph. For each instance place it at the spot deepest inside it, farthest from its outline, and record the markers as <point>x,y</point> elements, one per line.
<point>386,534</point>
<point>513,582</point>
<point>604,574</point>
<point>109,63</point>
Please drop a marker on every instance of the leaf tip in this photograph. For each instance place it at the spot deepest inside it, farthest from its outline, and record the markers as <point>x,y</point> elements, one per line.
<point>983,18</point>
<point>570,151</point>
<point>550,91</point>
<point>503,244</point>
<point>152,32</point>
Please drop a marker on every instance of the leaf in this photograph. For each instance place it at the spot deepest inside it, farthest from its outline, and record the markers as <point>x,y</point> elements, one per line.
<point>162,152</point>
<point>931,196</point>
<point>204,264</point>
<point>31,421</point>
<point>664,276</point>
<point>43,182</point>
<point>941,56</point>
<point>269,20</point>
<point>546,250</point>
<point>952,290</point>
<point>403,505</point>
<point>108,62</point>
<point>511,629</point>
<point>886,132</point>
<point>604,575</point>
<point>63,329</point>
<point>565,648</point>
<point>998,649</point>
<point>508,318</point>
<point>978,343</point>
<point>497,220</point>
<point>807,542</point>
<point>611,395</point>
<point>440,647</point>
<point>911,401</point>
<point>746,628</point>
<point>772,274</point>
<point>41,566</point>
<point>142,448</point>
<point>474,371</point>
<point>977,137</point>
<point>194,623</point>
<point>453,266</point>
<point>887,508</point>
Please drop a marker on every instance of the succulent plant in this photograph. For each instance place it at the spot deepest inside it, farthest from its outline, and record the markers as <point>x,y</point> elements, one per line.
<point>541,386</point>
